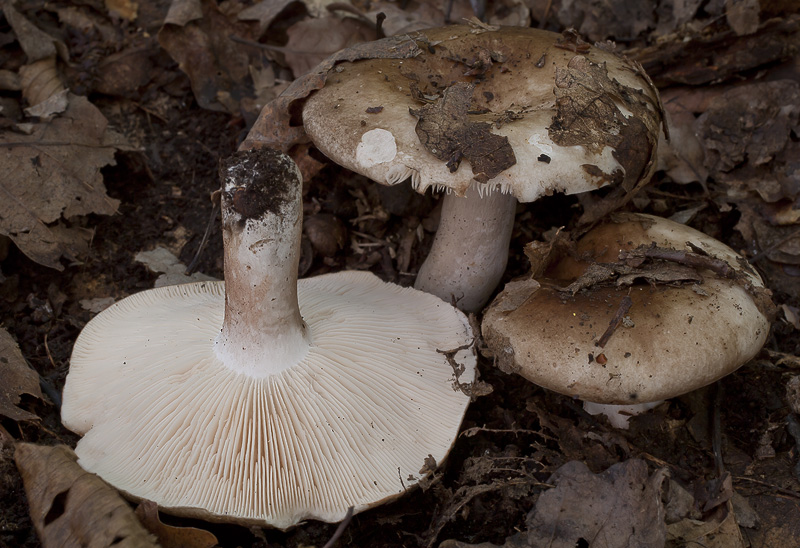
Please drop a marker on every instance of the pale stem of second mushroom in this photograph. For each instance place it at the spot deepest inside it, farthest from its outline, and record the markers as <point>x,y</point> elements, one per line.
<point>263,332</point>
<point>470,250</point>
<point>618,415</point>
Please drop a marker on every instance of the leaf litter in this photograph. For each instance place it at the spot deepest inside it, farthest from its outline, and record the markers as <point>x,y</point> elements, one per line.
<point>53,175</point>
<point>519,436</point>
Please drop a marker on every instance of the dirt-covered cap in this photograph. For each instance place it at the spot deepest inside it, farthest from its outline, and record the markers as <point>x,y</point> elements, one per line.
<point>630,343</point>
<point>529,111</point>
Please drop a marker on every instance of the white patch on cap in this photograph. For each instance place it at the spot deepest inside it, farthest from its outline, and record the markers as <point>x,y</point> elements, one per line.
<point>536,140</point>
<point>377,146</point>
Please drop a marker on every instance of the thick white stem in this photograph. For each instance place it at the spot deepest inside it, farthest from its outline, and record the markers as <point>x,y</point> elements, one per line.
<point>263,332</point>
<point>470,250</point>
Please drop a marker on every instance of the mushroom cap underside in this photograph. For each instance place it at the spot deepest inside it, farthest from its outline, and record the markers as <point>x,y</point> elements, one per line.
<point>575,119</point>
<point>351,425</point>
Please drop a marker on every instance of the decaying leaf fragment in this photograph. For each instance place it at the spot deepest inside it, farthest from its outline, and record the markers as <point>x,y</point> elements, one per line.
<point>590,114</point>
<point>276,127</point>
<point>73,508</point>
<point>444,128</point>
<point>16,378</point>
<point>197,35</point>
<point>619,507</point>
<point>52,174</point>
<point>170,536</point>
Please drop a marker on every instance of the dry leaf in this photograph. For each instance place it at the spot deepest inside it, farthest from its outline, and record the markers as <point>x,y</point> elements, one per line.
<point>169,536</point>
<point>36,43</point>
<point>54,172</point>
<point>603,19</point>
<point>312,40</point>
<point>742,15</point>
<point>619,507</point>
<point>682,157</point>
<point>16,378</point>
<point>264,12</point>
<point>445,130</point>
<point>708,534</point>
<point>750,123</point>
<point>197,34</point>
<point>127,9</point>
<point>172,271</point>
<point>40,81</point>
<point>71,508</point>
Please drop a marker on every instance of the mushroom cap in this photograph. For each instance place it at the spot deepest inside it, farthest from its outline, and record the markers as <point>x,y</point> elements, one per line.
<point>352,424</point>
<point>576,117</point>
<point>674,339</point>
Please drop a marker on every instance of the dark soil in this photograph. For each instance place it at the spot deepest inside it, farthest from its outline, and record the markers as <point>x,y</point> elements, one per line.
<point>517,436</point>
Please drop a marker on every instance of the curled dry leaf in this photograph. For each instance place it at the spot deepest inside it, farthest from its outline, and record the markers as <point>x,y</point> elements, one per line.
<point>36,43</point>
<point>17,379</point>
<point>71,507</point>
<point>54,173</point>
<point>40,81</point>
<point>169,536</point>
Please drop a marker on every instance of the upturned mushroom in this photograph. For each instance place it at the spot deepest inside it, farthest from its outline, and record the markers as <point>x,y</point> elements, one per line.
<point>492,115</point>
<point>644,309</point>
<point>261,399</point>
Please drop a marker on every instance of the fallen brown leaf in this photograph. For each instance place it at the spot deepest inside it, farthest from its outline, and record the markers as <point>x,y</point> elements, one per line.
<point>16,378</point>
<point>619,507</point>
<point>53,173</point>
<point>602,19</point>
<point>312,40</point>
<point>709,534</point>
<point>445,130</point>
<point>198,36</point>
<point>169,536</point>
<point>71,508</point>
<point>36,43</point>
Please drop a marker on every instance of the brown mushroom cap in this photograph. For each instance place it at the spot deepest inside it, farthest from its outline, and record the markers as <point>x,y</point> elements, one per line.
<point>674,339</point>
<point>576,117</point>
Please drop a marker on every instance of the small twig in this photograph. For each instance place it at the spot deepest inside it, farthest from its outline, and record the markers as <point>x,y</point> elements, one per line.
<point>624,306</point>
<point>196,259</point>
<point>687,258</point>
<point>781,490</point>
<point>279,49</point>
<point>763,253</point>
<point>45,385</point>
<point>716,430</point>
<point>340,530</point>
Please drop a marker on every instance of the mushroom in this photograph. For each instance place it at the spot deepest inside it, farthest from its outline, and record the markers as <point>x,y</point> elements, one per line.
<point>492,115</point>
<point>261,399</point>
<point>592,329</point>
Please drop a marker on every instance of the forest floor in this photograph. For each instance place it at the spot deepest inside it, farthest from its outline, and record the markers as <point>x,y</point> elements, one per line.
<point>161,97</point>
